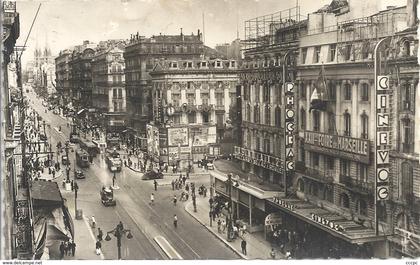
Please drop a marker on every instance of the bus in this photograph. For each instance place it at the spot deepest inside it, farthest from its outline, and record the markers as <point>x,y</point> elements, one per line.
<point>82,159</point>
<point>89,147</point>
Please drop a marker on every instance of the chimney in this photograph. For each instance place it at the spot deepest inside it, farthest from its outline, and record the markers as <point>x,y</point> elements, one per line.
<point>182,35</point>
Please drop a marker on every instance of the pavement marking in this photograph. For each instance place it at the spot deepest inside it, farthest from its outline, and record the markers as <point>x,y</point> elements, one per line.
<point>167,248</point>
<point>91,233</point>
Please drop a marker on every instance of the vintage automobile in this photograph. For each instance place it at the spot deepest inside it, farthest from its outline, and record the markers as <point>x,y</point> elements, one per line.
<point>107,197</point>
<point>79,174</point>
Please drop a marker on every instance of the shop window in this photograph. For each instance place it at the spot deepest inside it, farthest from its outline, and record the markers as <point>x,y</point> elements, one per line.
<point>302,119</point>
<point>362,207</point>
<point>364,92</point>
<point>347,124</point>
<point>344,200</point>
<point>278,116</point>
<point>301,185</point>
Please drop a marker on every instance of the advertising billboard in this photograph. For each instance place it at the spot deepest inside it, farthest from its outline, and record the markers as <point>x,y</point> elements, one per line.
<point>178,136</point>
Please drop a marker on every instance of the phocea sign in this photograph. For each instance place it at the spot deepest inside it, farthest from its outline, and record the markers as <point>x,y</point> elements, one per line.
<point>289,127</point>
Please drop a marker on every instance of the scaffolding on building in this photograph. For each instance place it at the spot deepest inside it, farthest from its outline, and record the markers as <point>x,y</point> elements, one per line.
<point>261,31</point>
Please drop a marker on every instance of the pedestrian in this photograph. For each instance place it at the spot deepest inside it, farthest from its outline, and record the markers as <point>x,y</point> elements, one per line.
<point>219,225</point>
<point>173,184</point>
<point>66,248</point>
<point>98,247</point>
<point>184,178</point>
<point>152,199</point>
<point>187,188</point>
<point>223,226</point>
<point>175,221</point>
<point>73,248</point>
<point>61,250</point>
<point>273,254</point>
<point>156,184</point>
<point>100,234</point>
<point>174,200</point>
<point>93,221</point>
<point>243,246</point>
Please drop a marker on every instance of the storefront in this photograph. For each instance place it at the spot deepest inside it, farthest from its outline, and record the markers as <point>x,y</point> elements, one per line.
<point>309,231</point>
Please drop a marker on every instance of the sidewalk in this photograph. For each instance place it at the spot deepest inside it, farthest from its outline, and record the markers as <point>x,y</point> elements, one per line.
<point>83,234</point>
<point>257,246</point>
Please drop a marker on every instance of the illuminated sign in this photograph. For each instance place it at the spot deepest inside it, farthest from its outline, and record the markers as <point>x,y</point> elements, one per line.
<point>289,127</point>
<point>383,139</point>
<point>259,159</point>
<point>284,203</point>
<point>326,222</point>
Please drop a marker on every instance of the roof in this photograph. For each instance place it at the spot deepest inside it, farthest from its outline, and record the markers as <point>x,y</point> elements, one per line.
<point>46,191</point>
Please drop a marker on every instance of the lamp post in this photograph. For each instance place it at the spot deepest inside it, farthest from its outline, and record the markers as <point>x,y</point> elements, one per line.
<point>229,182</point>
<point>119,232</point>
<point>67,163</point>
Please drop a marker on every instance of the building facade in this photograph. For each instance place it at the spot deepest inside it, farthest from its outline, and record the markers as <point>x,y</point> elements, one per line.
<point>62,76</point>
<point>108,91</point>
<point>140,57</point>
<point>193,100</point>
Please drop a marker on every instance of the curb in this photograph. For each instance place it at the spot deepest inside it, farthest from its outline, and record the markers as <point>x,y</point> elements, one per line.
<point>215,234</point>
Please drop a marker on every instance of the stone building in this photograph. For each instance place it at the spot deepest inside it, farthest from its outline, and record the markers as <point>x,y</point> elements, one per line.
<point>140,57</point>
<point>62,76</point>
<point>195,98</point>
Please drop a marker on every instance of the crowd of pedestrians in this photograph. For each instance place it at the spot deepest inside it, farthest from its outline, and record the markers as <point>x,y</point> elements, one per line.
<point>67,248</point>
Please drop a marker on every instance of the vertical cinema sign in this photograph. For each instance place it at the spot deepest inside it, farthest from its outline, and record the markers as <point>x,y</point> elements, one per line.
<point>383,141</point>
<point>289,115</point>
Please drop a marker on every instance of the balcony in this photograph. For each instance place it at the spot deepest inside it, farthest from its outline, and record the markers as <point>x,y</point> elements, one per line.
<point>357,185</point>
<point>323,176</point>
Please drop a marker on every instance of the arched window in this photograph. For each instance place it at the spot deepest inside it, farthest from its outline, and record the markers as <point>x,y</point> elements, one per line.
<point>406,187</point>
<point>267,115</point>
<point>364,120</point>
<point>301,185</point>
<point>257,114</point>
<point>362,207</point>
<point>347,124</point>
<point>302,119</point>
<point>248,113</point>
<point>405,51</point>
<point>344,200</point>
<point>277,115</point>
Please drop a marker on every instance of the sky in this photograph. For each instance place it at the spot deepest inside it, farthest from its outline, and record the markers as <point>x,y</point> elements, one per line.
<point>65,23</point>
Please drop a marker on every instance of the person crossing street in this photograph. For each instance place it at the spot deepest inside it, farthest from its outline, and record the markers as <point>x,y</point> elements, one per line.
<point>175,221</point>
<point>152,199</point>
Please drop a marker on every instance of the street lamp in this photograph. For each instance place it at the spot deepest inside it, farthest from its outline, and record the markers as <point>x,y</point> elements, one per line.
<point>119,232</point>
<point>67,163</point>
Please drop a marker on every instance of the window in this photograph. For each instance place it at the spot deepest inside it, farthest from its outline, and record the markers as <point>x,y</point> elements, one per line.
<point>257,143</point>
<point>302,119</point>
<point>347,91</point>
<point>278,116</point>
<point>363,172</point>
<point>407,136</point>
<point>406,188</point>
<point>313,189</point>
<point>332,91</point>
<point>256,114</point>
<point>302,152</point>
<point>304,52</point>
<point>301,185</point>
<point>316,121</point>
<point>205,116</point>
<point>257,93</point>
<point>405,94</point>
<point>345,167</point>
<point>220,119</point>
<point>218,64</point>
<point>267,115</point>
<point>362,207</point>
<point>347,52</point>
<point>266,92</point>
<point>333,48</point>
<point>317,54</point>
<point>365,92</point>
<point>203,64</point>
<point>331,123</point>
<point>347,124</point>
<point>267,146</point>
<point>192,117</point>
<point>191,98</point>
<point>365,126</point>
<point>344,200</point>
<point>405,51</point>
<point>189,64</point>
<point>302,91</point>
<point>329,194</point>
<point>248,113</point>
<point>330,162</point>
<point>219,99</point>
<point>315,159</point>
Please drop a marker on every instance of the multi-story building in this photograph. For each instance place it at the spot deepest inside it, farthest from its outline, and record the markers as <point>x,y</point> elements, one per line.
<point>81,75</point>
<point>140,55</point>
<point>192,105</point>
<point>108,91</point>
<point>62,76</point>
<point>270,51</point>
<point>342,144</point>
<point>231,50</point>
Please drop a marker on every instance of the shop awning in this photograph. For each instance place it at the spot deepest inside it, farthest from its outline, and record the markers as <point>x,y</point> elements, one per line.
<point>46,193</point>
<point>333,223</point>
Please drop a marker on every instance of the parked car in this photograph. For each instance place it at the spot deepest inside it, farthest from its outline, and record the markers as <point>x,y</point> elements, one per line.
<point>152,174</point>
<point>79,174</point>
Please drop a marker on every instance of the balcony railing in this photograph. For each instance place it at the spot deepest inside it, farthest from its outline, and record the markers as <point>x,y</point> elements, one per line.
<point>356,184</point>
<point>324,176</point>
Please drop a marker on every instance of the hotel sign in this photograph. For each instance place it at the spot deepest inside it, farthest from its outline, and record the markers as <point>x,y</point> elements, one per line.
<point>383,140</point>
<point>259,159</point>
<point>334,145</point>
